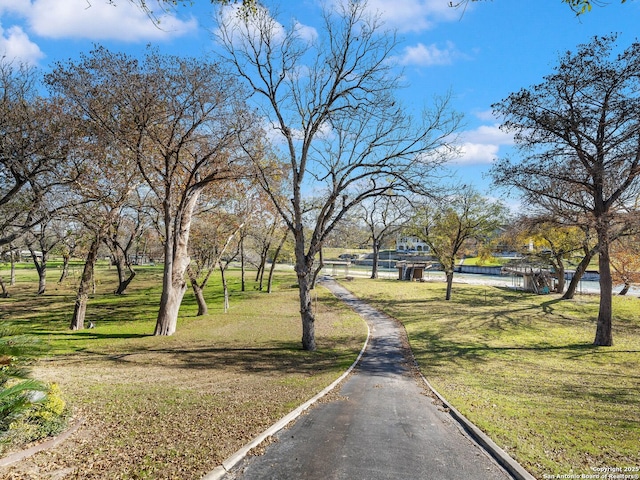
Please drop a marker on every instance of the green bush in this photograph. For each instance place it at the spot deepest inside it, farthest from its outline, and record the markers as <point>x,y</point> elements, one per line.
<point>29,409</point>
<point>46,416</point>
<point>16,388</point>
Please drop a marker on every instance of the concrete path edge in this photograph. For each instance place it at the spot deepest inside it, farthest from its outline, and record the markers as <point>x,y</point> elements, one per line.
<point>221,470</point>
<point>505,460</point>
<point>53,442</point>
<point>516,470</point>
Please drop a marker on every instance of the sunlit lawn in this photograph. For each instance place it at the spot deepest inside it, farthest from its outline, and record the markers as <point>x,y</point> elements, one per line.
<point>523,368</point>
<point>173,407</point>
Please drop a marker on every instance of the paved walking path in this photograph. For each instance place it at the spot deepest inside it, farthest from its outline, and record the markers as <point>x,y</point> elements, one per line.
<point>383,425</point>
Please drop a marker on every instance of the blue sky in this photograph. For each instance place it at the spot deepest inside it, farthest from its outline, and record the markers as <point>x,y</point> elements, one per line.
<point>481,54</point>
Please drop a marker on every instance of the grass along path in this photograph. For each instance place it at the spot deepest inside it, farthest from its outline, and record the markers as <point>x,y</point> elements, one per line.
<point>174,407</point>
<point>522,367</point>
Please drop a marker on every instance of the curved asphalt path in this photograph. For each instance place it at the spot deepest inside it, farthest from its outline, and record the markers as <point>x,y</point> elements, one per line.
<point>383,425</point>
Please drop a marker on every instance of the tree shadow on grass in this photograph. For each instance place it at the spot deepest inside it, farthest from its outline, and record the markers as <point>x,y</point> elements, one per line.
<point>603,394</point>
<point>90,334</point>
<point>439,351</point>
<point>284,357</point>
<point>549,306</point>
<point>52,318</point>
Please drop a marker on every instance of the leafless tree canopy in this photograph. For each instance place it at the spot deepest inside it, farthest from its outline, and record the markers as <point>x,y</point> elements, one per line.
<point>178,120</point>
<point>330,102</point>
<point>36,137</point>
<point>579,136</point>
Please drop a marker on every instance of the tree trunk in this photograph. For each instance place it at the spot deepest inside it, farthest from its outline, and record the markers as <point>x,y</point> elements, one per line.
<point>198,287</point>
<point>13,254</point>
<point>225,289</point>
<point>604,335</point>
<point>317,271</point>
<point>41,268</point>
<point>121,266</point>
<point>243,284</point>
<point>560,275</point>
<point>65,268</point>
<point>5,292</point>
<point>86,282</point>
<point>42,278</point>
<point>261,274</point>
<point>625,289</point>
<point>275,258</point>
<point>580,269</point>
<point>176,261</point>
<point>123,284</point>
<point>376,255</point>
<point>449,275</point>
<point>173,290</point>
<point>306,312</point>
<point>198,291</point>
<point>303,267</point>
<point>203,309</point>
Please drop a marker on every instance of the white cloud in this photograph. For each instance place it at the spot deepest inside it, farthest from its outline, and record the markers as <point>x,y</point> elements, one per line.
<point>477,153</point>
<point>482,145</point>
<point>15,6</point>
<point>413,15</point>
<point>426,55</point>
<point>101,21</point>
<point>95,20</point>
<point>408,15</point>
<point>485,115</point>
<point>306,32</point>
<point>237,29</point>
<point>488,133</point>
<point>15,45</point>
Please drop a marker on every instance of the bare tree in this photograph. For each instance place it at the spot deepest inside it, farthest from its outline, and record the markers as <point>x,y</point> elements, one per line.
<point>214,233</point>
<point>579,133</point>
<point>70,232</point>
<point>344,136</point>
<point>266,229</point>
<point>103,191</point>
<point>119,239</point>
<point>210,242</point>
<point>181,119</point>
<point>384,216</point>
<point>123,234</point>
<point>167,6</point>
<point>40,240</point>
<point>8,253</point>
<point>34,143</point>
<point>86,283</point>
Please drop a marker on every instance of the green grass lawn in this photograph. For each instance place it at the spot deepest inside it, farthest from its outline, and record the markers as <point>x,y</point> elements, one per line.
<point>173,407</point>
<point>523,368</point>
<point>490,262</point>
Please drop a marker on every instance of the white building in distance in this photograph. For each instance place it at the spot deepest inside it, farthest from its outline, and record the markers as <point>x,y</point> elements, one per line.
<point>410,243</point>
